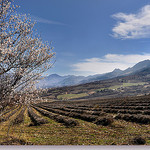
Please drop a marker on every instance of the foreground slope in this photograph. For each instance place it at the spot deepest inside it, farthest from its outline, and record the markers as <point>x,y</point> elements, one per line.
<point>121,131</point>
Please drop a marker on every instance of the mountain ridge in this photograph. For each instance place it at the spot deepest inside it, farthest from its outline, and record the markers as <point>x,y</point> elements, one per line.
<point>55,80</point>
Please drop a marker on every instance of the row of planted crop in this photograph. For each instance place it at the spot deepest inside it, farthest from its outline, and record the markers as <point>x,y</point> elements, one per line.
<point>87,103</point>
<point>142,119</point>
<point>6,116</point>
<point>99,111</point>
<point>20,117</point>
<point>58,118</point>
<point>98,106</point>
<point>100,120</point>
<point>128,107</point>
<point>103,111</point>
<point>127,111</point>
<point>36,119</point>
<point>137,115</point>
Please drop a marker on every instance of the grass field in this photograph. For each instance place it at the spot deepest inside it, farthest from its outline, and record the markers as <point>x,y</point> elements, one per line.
<point>52,133</point>
<point>123,85</point>
<point>86,131</point>
<point>71,96</point>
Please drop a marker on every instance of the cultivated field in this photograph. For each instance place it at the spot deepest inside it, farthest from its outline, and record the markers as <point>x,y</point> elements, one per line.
<point>118,121</point>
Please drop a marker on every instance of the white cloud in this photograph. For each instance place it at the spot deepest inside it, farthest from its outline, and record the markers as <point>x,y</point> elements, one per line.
<point>133,26</point>
<point>108,63</point>
<point>46,21</point>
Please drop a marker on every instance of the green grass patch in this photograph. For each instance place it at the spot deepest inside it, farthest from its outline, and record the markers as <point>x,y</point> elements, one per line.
<point>71,96</point>
<point>122,85</point>
<point>127,85</point>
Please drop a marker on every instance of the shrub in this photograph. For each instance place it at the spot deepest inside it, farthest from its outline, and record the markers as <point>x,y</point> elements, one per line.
<point>138,141</point>
<point>105,121</point>
<point>71,122</point>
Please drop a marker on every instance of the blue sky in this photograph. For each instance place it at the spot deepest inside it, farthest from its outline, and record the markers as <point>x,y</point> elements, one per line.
<point>92,36</point>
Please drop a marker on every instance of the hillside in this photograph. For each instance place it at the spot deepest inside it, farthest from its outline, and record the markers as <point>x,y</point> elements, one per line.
<point>137,83</point>
<point>55,80</point>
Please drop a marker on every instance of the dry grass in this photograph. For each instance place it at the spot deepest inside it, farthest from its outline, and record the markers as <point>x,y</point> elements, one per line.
<point>86,133</point>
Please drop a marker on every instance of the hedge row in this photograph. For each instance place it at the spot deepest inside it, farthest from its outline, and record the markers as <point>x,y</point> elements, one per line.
<point>58,118</point>
<point>36,119</point>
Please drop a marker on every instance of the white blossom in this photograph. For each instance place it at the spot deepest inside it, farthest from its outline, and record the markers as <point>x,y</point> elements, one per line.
<point>23,55</point>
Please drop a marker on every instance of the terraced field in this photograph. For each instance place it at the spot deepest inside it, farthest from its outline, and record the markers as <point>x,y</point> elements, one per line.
<point>118,121</point>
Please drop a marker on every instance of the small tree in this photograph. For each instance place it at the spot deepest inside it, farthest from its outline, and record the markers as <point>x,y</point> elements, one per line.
<point>23,55</point>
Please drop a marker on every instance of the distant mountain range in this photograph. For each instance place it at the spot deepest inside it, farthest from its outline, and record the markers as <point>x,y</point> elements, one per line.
<point>55,80</point>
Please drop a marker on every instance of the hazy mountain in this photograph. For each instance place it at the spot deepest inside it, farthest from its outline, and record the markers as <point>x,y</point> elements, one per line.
<point>117,72</point>
<point>139,66</point>
<point>51,81</point>
<point>55,80</point>
<point>105,76</point>
<point>71,80</point>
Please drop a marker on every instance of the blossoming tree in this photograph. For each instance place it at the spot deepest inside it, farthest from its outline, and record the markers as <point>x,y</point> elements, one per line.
<point>23,55</point>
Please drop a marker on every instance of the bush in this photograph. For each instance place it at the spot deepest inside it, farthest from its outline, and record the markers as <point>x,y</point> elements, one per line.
<point>71,122</point>
<point>138,141</point>
<point>105,121</point>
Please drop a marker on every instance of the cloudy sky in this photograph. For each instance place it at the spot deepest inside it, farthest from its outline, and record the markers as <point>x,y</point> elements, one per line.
<point>92,36</point>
